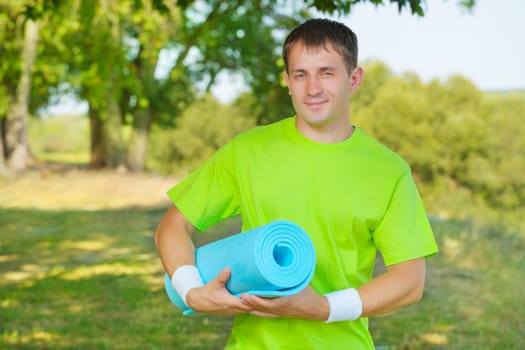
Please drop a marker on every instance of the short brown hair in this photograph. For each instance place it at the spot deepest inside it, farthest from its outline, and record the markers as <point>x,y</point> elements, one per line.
<point>317,33</point>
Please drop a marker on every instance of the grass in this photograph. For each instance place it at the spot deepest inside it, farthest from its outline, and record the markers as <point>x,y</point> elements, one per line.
<point>90,280</point>
<point>75,278</point>
<point>473,295</point>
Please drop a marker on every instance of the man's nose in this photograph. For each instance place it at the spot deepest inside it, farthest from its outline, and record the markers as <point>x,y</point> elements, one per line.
<point>313,86</point>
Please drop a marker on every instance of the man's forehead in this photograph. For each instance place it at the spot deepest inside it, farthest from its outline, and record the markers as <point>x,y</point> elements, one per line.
<point>302,57</point>
<point>313,49</point>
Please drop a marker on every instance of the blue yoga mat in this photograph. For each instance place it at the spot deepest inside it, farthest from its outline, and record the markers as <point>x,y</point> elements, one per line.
<point>273,260</point>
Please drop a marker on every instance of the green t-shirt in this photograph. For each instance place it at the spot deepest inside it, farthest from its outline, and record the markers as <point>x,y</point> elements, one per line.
<point>351,197</point>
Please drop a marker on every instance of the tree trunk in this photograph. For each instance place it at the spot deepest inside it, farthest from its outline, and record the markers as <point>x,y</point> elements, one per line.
<point>107,146</point>
<point>96,160</point>
<point>3,167</point>
<point>139,140</point>
<point>15,128</point>
<point>114,148</point>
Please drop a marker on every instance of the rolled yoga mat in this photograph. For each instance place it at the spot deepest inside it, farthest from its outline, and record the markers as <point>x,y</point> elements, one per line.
<point>276,259</point>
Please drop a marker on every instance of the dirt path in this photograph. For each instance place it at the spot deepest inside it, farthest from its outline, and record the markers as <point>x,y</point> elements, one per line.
<point>82,189</point>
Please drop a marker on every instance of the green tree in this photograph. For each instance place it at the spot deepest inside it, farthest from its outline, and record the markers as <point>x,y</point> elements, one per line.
<point>96,60</point>
<point>29,74</point>
<point>18,36</point>
<point>125,88</point>
<point>494,168</point>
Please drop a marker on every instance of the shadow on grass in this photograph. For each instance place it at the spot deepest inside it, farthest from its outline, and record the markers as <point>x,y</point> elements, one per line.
<point>93,280</point>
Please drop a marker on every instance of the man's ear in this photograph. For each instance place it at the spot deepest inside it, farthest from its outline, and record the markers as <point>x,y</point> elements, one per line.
<point>356,78</point>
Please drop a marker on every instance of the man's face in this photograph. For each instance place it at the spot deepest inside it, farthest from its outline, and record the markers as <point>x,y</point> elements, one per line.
<point>320,85</point>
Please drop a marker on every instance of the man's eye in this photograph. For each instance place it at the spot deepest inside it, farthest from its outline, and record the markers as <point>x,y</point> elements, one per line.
<point>327,74</point>
<point>299,76</point>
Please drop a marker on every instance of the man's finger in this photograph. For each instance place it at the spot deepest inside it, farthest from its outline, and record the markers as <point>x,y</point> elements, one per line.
<point>261,302</point>
<point>224,276</point>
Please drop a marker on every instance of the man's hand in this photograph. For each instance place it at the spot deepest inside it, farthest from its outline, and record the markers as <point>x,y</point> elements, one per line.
<point>306,304</point>
<point>214,298</point>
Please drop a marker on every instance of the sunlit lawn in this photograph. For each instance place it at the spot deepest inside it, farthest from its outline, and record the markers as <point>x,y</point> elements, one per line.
<point>92,280</point>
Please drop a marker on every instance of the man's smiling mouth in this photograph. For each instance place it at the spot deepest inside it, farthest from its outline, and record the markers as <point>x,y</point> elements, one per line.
<point>315,104</point>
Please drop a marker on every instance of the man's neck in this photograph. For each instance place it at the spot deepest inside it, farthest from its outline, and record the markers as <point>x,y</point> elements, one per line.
<point>325,134</point>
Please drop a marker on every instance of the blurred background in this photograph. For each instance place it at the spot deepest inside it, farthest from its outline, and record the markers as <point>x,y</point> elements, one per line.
<point>105,104</point>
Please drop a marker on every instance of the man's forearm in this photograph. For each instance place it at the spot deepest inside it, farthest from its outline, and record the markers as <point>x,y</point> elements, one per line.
<point>173,241</point>
<point>402,284</point>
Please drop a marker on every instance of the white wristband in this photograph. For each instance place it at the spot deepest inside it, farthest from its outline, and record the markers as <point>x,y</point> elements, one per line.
<point>185,278</point>
<point>345,305</point>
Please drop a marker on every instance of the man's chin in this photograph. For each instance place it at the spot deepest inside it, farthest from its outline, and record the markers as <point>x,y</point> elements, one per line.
<point>316,120</point>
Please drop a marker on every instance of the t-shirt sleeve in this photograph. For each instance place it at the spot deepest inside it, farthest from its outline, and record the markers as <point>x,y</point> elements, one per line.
<point>404,233</point>
<point>209,194</point>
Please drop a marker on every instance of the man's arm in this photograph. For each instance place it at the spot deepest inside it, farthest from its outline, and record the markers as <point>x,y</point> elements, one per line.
<point>400,285</point>
<point>173,240</point>
<point>176,249</point>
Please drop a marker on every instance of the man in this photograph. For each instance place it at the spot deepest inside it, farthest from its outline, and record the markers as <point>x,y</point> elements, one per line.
<point>348,192</point>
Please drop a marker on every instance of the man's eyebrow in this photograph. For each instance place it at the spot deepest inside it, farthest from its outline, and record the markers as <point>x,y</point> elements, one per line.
<point>320,69</point>
<point>327,68</point>
<point>298,70</point>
